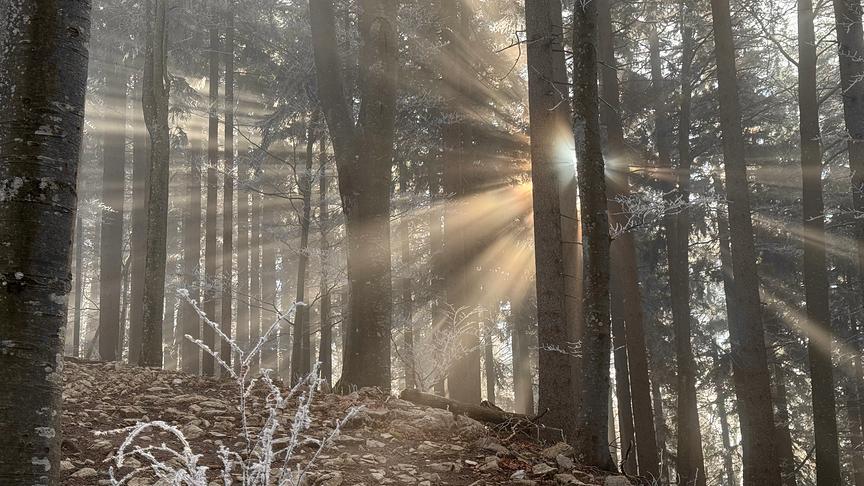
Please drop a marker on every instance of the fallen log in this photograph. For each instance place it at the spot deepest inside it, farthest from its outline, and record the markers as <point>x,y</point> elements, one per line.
<point>481,413</point>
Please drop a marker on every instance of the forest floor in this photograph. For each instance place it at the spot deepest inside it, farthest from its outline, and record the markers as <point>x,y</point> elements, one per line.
<point>389,442</point>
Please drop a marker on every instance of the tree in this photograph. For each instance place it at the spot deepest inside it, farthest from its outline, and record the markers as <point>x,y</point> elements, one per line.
<point>325,352</point>
<point>228,186</point>
<point>625,275</point>
<point>43,77</point>
<point>364,159</point>
<point>155,93</point>
<point>820,338</point>
<point>189,318</point>
<point>690,461</point>
<point>138,220</point>
<point>211,251</point>
<point>113,178</point>
<point>549,109</point>
<point>747,337</point>
<point>593,386</point>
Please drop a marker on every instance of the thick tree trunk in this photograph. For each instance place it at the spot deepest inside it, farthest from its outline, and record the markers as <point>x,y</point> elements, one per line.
<point>211,250</point>
<point>189,318</point>
<point>301,341</point>
<point>43,77</point>
<point>325,348</point>
<point>113,181</point>
<point>364,160</point>
<point>820,342</point>
<point>156,88</point>
<point>549,109</point>
<point>624,266</point>
<point>593,386</point>
<point>752,380</point>
<point>138,220</point>
<point>690,460</point>
<point>228,189</point>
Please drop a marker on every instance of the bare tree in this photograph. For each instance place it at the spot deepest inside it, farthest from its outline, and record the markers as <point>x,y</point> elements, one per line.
<point>43,77</point>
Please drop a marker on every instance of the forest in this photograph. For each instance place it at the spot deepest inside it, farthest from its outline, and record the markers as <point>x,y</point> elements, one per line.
<point>469,242</point>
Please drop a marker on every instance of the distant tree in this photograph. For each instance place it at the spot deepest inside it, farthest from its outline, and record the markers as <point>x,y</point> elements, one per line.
<point>113,182</point>
<point>43,77</point>
<point>228,289</point>
<point>156,86</point>
<point>211,250</point>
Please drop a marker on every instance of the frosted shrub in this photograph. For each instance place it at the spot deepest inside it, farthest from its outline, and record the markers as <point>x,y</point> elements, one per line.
<point>267,456</point>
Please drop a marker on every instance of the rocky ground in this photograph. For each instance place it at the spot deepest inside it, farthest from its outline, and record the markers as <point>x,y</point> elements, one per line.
<point>390,442</point>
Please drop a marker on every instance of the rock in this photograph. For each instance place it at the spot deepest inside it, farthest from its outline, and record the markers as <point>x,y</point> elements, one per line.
<point>542,469</point>
<point>617,481</point>
<point>561,448</point>
<point>87,472</point>
<point>520,474</point>
<point>331,479</point>
<point>491,464</point>
<point>568,479</point>
<point>374,444</point>
<point>488,444</point>
<point>192,431</point>
<point>564,462</point>
<point>66,465</point>
<point>445,467</point>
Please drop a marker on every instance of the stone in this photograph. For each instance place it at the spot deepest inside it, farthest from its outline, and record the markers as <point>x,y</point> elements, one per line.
<point>490,445</point>
<point>560,448</point>
<point>568,479</point>
<point>87,472</point>
<point>564,462</point>
<point>331,479</point>
<point>542,469</point>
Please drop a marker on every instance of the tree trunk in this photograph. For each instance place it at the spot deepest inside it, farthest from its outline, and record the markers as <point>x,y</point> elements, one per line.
<point>211,251</point>
<point>820,342</point>
<point>156,92</point>
<point>79,285</point>
<point>190,320</point>
<point>301,341</point>
<point>752,381</point>
<point>622,390</point>
<point>364,160</point>
<point>593,386</point>
<point>111,254</point>
<point>549,110</point>
<point>624,266</point>
<point>461,282</point>
<point>228,189</point>
<point>520,325</point>
<point>489,357</point>
<point>325,348</point>
<point>255,298</point>
<point>691,462</point>
<point>854,396</point>
<point>138,220</point>
<point>43,78</point>
<point>244,298</point>
<point>405,288</point>
<point>268,266</point>
<point>783,438</point>
<point>728,451</point>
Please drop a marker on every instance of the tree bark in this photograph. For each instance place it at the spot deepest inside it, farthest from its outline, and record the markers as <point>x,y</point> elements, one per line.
<point>622,390</point>
<point>819,338</point>
<point>783,438</point>
<point>593,386</point>
<point>228,189</point>
<point>156,92</point>
<point>43,78</point>
<point>325,348</point>
<point>190,320</point>
<point>549,109</point>
<point>690,460</point>
<point>520,326</point>
<point>113,179</point>
<point>138,236</point>
<point>211,250</point>
<point>301,341</point>
<point>364,160</point>
<point>624,266</point>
